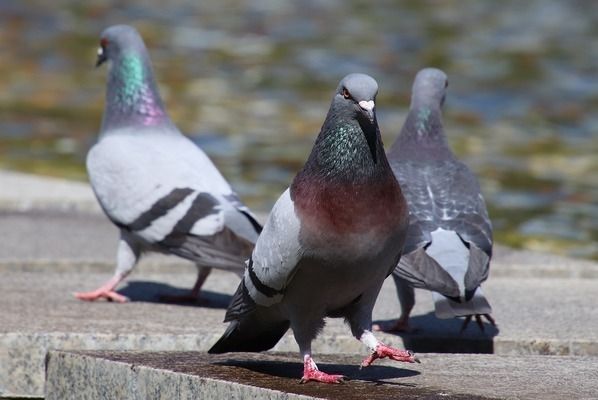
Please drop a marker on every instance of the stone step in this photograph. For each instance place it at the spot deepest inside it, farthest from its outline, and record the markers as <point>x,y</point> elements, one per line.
<point>534,315</point>
<point>195,375</point>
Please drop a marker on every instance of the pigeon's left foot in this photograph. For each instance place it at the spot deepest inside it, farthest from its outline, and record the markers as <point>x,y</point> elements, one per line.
<point>193,296</point>
<point>478,320</point>
<point>106,291</point>
<point>384,351</point>
<point>312,373</point>
<point>101,293</point>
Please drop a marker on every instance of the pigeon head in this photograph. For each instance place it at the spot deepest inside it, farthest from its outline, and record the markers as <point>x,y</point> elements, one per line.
<point>354,102</point>
<point>132,97</point>
<point>348,147</point>
<point>118,40</point>
<point>429,88</point>
<point>422,136</point>
<point>356,94</point>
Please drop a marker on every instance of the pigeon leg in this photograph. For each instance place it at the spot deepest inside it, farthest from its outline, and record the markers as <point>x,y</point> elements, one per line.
<point>380,350</point>
<point>312,373</point>
<point>126,258</point>
<point>193,296</point>
<point>406,296</point>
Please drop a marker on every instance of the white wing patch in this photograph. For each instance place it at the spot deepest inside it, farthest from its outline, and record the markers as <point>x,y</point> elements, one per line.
<point>451,254</point>
<point>209,225</point>
<point>164,225</point>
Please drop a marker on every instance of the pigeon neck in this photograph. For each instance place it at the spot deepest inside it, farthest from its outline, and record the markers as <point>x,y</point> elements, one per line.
<point>132,98</point>
<point>346,151</point>
<point>422,129</point>
<point>346,187</point>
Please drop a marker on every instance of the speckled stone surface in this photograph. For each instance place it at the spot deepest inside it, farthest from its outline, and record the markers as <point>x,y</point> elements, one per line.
<point>191,375</point>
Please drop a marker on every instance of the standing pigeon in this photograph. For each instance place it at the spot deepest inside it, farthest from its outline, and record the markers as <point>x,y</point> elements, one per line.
<point>329,243</point>
<point>152,182</point>
<point>449,241</point>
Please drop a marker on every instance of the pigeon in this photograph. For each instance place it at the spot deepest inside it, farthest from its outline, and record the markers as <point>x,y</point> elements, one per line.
<point>329,242</point>
<point>153,183</point>
<point>449,240</point>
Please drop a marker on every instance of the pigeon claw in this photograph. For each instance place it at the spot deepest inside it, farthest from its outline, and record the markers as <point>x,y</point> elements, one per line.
<point>384,351</point>
<point>319,376</point>
<point>478,320</point>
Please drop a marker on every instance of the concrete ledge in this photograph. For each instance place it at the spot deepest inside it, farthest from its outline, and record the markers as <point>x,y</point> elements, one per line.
<point>23,192</point>
<point>548,316</point>
<point>190,375</point>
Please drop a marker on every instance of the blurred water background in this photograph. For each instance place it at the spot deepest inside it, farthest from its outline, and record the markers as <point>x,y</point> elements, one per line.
<point>250,81</point>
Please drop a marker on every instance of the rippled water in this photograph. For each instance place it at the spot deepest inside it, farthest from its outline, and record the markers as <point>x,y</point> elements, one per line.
<point>251,81</point>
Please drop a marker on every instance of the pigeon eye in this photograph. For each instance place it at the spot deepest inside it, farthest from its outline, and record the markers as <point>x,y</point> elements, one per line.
<point>446,84</point>
<point>346,93</point>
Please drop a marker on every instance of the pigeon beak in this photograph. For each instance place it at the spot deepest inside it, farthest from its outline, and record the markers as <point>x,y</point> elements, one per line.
<point>368,108</point>
<point>101,57</point>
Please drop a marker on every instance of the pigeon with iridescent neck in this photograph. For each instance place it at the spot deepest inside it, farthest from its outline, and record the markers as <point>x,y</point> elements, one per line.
<point>329,243</point>
<point>153,183</point>
<point>449,242</point>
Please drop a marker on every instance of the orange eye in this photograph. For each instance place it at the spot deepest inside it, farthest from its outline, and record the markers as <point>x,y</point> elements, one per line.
<point>346,93</point>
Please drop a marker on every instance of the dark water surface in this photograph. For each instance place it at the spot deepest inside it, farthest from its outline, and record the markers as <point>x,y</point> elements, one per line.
<point>251,81</point>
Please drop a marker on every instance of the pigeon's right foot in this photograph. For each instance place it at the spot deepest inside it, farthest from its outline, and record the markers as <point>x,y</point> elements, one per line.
<point>109,295</point>
<point>478,320</point>
<point>312,373</point>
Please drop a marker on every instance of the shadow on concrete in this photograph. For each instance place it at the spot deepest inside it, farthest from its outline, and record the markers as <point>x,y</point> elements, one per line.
<point>152,292</point>
<point>433,335</point>
<point>294,370</point>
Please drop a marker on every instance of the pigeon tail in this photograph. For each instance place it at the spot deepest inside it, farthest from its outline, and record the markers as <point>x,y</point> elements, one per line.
<point>251,334</point>
<point>448,308</point>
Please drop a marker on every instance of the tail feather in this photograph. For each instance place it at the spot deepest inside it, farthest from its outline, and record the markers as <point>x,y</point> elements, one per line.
<point>251,334</point>
<point>449,308</point>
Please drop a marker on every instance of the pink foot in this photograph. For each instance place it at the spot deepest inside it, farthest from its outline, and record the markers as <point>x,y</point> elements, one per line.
<point>311,373</point>
<point>109,295</point>
<point>384,351</point>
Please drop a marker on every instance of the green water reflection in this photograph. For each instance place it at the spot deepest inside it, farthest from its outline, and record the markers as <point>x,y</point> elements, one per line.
<point>250,81</point>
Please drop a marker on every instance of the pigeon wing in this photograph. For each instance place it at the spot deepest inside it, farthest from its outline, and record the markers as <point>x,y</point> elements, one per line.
<point>273,262</point>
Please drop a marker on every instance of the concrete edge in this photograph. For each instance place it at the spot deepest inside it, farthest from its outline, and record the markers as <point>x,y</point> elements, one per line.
<point>22,354</point>
<point>572,269</point>
<point>77,375</point>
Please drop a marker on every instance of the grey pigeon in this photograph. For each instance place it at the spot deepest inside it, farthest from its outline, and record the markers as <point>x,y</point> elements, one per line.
<point>153,183</point>
<point>329,242</point>
<point>449,241</point>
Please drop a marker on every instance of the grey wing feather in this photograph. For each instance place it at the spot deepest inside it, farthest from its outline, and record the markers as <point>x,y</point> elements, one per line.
<point>444,195</point>
<point>273,262</point>
<point>423,272</point>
